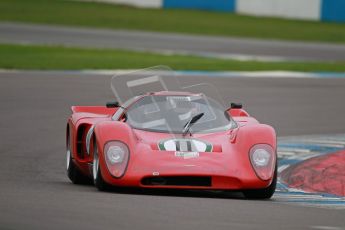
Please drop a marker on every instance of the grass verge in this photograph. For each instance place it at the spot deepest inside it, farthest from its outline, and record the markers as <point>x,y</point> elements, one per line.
<point>91,14</point>
<point>55,57</point>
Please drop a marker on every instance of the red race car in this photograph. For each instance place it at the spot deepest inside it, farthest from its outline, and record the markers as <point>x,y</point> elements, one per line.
<point>175,140</point>
<point>172,140</point>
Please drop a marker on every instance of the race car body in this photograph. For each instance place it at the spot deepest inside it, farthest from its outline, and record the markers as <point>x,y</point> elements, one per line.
<point>175,140</point>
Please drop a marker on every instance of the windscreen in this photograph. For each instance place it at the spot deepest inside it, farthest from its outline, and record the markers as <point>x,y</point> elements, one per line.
<point>153,99</point>
<point>171,113</point>
<point>130,84</point>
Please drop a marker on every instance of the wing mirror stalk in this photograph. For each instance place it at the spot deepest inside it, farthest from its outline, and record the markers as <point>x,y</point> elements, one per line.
<point>236,105</point>
<point>114,104</point>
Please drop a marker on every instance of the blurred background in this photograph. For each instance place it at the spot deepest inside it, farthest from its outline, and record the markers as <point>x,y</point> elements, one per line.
<point>318,10</point>
<point>304,35</point>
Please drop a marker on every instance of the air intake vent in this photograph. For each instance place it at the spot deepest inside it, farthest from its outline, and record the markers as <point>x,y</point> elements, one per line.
<point>178,181</point>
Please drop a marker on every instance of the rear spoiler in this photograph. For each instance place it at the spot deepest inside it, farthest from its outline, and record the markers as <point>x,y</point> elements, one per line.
<point>103,110</point>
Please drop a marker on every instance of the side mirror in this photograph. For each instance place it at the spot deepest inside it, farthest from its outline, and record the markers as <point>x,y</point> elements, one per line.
<point>114,104</point>
<point>236,105</point>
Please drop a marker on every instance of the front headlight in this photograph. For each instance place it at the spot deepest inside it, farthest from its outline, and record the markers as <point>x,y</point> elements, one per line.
<point>115,154</point>
<point>116,157</point>
<point>263,158</point>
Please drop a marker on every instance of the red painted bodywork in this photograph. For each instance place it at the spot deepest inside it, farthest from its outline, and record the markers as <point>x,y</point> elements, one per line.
<point>228,165</point>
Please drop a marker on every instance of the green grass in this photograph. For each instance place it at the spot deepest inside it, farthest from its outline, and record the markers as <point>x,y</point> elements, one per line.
<point>55,57</point>
<point>99,15</point>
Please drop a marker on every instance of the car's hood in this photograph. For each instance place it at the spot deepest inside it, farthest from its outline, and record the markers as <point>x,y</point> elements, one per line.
<point>219,157</point>
<point>201,142</point>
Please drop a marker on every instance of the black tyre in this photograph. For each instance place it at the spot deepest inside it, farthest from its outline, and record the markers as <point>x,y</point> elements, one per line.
<point>98,180</point>
<point>262,194</point>
<point>73,172</point>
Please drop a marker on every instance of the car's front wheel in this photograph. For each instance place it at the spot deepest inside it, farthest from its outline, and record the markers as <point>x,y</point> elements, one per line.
<point>73,172</point>
<point>265,193</point>
<point>96,171</point>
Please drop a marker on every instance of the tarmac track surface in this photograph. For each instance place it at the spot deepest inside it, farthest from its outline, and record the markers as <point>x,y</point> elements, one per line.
<point>36,194</point>
<point>222,47</point>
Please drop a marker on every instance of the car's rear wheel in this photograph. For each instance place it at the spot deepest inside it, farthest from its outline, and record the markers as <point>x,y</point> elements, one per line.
<point>96,171</point>
<point>262,194</point>
<point>73,172</point>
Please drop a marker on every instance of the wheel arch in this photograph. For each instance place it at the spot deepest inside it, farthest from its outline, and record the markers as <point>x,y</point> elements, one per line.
<point>113,131</point>
<point>67,134</point>
<point>250,135</point>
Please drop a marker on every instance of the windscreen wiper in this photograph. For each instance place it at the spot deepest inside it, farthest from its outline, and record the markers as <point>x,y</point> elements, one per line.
<point>191,122</point>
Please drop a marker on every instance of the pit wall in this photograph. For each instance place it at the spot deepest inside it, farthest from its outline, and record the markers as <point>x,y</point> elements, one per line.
<point>317,10</point>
